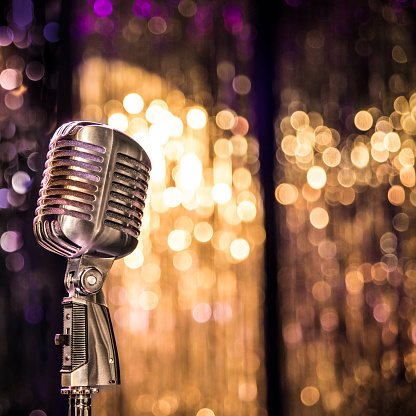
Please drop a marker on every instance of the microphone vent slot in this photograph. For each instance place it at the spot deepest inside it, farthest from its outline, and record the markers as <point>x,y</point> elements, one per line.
<point>78,336</point>
<point>68,185</point>
<point>127,195</point>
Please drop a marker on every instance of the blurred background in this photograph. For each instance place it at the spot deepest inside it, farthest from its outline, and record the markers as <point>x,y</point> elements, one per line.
<point>275,272</point>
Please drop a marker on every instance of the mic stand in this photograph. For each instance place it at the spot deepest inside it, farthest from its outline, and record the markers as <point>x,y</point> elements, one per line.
<point>90,356</point>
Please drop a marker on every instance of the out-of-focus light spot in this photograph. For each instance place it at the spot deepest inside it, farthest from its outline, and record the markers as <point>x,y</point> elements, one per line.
<point>118,121</point>
<point>11,241</point>
<point>196,118</point>
<point>347,177</point>
<point>133,103</point>
<point>407,177</point>
<point>190,175</point>
<point>221,193</point>
<point>157,25</point>
<point>117,295</point>
<point>363,120</point>
<point>22,12</point>
<point>37,412</point>
<point>225,119</point>
<point>239,249</point>
<point>92,112</point>
<point>6,36</point>
<point>319,218</point>
<point>225,71</point>
<point>51,32</point>
<point>381,312</point>
<point>292,334</point>
<point>240,126</point>
<point>148,300</point>
<point>392,142</point>
<point>15,262</point>
<point>179,240</point>
<point>379,152</point>
<point>360,156</point>
<point>396,195</point>
<point>401,105</point>
<point>247,392</point>
<point>182,261</point>
<point>309,396</point>
<point>329,320</point>
<point>159,134</point>
<point>13,100</point>
<point>4,192</point>
<point>11,79</point>
<point>203,232</point>
<point>241,84</point>
<point>331,156</point>
<point>134,260</point>
<point>145,403</point>
<point>354,281</point>
<point>151,272</point>
<point>157,111</point>
<point>407,157</point>
<point>103,8</point>
<point>240,145</point>
<point>399,55</point>
<point>202,312</point>
<point>172,197</point>
<point>286,194</point>
<point>174,150</point>
<point>242,178</point>
<point>223,148</point>
<point>222,312</point>
<point>323,136</point>
<point>316,177</point>
<point>21,182</point>
<point>35,71</point>
<point>175,127</point>
<point>142,8</point>
<point>299,120</point>
<point>246,211</point>
<point>205,412</point>
<point>401,222</point>
<point>321,291</point>
<point>187,8</point>
<point>34,313</point>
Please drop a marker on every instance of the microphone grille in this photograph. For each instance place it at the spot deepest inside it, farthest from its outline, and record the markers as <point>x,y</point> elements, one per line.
<point>127,195</point>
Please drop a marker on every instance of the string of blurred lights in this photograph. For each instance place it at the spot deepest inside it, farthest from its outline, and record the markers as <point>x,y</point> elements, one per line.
<point>346,185</point>
<point>187,301</point>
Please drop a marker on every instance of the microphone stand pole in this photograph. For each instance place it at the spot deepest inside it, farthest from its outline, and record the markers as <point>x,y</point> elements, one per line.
<point>79,400</point>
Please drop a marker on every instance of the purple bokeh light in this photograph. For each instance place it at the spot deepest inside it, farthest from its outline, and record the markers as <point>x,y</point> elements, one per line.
<point>142,8</point>
<point>4,203</point>
<point>83,25</point>
<point>103,8</point>
<point>22,12</point>
<point>34,313</point>
<point>232,18</point>
<point>51,32</point>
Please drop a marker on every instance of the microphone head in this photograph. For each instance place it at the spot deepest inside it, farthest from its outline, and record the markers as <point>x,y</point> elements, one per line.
<point>92,193</point>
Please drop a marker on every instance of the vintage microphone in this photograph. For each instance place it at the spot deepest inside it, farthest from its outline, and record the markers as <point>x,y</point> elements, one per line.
<point>90,207</point>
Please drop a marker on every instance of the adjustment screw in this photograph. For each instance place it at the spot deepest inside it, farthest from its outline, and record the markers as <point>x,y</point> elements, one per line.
<point>61,339</point>
<point>91,281</point>
<point>67,357</point>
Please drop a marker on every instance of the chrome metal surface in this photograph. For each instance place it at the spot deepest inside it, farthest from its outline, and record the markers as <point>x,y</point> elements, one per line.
<point>93,192</point>
<point>91,357</point>
<point>89,210</point>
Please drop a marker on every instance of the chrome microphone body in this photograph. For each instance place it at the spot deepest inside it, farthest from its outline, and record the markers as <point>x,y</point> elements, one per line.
<point>89,210</point>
